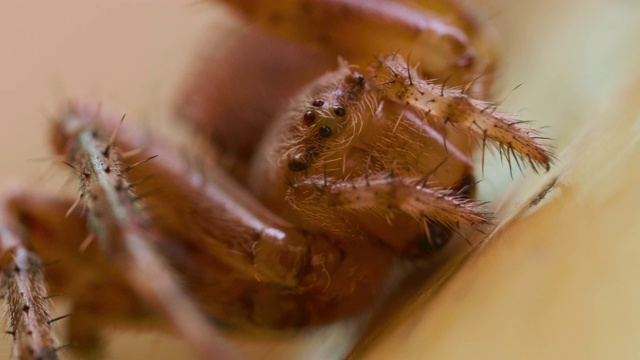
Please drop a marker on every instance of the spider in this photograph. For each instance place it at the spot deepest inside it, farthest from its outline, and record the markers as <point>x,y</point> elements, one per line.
<point>336,157</point>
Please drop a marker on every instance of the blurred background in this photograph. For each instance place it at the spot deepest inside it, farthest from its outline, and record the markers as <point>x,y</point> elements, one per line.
<point>559,282</point>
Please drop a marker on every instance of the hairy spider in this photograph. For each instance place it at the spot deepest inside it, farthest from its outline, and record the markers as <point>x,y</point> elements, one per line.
<point>315,198</point>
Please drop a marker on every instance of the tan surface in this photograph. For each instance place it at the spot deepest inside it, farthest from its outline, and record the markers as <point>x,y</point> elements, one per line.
<point>562,283</point>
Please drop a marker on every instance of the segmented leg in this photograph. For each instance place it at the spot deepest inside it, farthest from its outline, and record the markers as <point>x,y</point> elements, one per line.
<point>96,285</point>
<point>126,234</point>
<point>206,208</point>
<point>25,297</point>
<point>98,292</point>
<point>387,196</point>
<point>450,106</point>
<point>23,288</point>
<point>376,27</point>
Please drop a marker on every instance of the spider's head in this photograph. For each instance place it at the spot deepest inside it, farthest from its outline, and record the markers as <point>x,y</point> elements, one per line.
<point>320,133</point>
<point>323,123</point>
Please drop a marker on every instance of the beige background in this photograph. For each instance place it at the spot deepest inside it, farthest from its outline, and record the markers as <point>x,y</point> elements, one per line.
<point>555,287</point>
<point>127,53</point>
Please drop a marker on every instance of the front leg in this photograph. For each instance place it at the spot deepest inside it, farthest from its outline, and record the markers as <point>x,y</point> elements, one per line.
<point>33,225</point>
<point>453,107</point>
<point>199,205</point>
<point>24,293</point>
<point>32,222</point>
<point>357,30</point>
<point>377,200</point>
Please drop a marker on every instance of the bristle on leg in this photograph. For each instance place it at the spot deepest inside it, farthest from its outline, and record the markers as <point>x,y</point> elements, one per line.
<point>453,107</point>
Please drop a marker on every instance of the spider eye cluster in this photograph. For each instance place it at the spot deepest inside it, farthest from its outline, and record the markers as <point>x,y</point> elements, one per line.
<point>309,117</point>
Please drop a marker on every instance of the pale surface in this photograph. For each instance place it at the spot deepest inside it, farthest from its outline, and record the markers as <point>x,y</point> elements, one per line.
<point>560,283</point>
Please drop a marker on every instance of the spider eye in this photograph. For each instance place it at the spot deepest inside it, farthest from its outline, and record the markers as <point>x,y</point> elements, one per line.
<point>317,102</point>
<point>339,110</point>
<point>358,78</point>
<point>309,117</point>
<point>437,239</point>
<point>297,165</point>
<point>325,131</point>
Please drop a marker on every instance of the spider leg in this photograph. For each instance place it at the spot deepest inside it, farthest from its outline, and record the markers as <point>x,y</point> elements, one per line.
<point>24,292</point>
<point>385,197</point>
<point>204,206</point>
<point>453,107</point>
<point>34,224</point>
<point>127,235</point>
<point>438,43</point>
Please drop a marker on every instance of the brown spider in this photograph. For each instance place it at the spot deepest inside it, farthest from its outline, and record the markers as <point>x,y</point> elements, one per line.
<point>314,198</point>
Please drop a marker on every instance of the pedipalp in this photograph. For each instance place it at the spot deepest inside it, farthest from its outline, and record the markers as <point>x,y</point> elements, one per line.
<point>453,107</point>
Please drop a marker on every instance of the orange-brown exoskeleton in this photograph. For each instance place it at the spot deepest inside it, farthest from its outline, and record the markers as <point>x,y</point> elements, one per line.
<point>335,173</point>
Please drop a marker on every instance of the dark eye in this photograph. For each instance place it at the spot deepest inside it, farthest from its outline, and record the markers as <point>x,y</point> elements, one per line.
<point>317,102</point>
<point>437,239</point>
<point>309,117</point>
<point>297,165</point>
<point>325,131</point>
<point>358,78</point>
<point>339,110</point>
